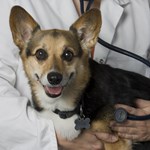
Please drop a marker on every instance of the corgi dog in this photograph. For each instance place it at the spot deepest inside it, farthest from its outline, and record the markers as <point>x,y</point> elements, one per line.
<point>67,86</point>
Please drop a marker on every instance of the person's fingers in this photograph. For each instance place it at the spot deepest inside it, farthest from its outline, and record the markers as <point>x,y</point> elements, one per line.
<point>131,130</point>
<point>128,123</point>
<point>142,103</point>
<point>129,109</point>
<point>128,130</point>
<point>133,137</point>
<point>143,107</point>
<point>98,145</point>
<point>106,137</point>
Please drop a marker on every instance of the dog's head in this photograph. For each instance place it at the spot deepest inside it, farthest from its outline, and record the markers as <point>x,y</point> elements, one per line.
<point>55,61</point>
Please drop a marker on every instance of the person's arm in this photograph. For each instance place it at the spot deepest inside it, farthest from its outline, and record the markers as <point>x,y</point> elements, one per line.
<point>20,127</point>
<point>135,130</point>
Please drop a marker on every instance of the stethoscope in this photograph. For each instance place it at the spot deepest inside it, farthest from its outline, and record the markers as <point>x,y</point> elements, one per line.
<point>120,114</point>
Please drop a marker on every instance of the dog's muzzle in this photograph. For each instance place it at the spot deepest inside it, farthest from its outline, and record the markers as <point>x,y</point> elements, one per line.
<point>55,88</point>
<point>56,84</point>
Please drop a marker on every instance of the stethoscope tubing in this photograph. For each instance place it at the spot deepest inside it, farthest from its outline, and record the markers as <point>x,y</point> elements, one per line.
<point>138,118</point>
<point>121,115</point>
<point>123,51</point>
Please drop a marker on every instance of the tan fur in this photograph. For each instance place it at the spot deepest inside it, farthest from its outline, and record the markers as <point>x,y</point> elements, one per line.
<point>103,126</point>
<point>30,38</point>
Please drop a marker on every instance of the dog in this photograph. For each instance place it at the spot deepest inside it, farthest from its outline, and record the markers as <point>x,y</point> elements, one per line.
<point>67,86</point>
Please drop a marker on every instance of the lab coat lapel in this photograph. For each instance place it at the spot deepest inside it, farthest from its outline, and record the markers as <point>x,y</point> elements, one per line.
<point>111,14</point>
<point>112,11</point>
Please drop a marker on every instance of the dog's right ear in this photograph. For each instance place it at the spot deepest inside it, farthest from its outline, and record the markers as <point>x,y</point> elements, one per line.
<point>22,25</point>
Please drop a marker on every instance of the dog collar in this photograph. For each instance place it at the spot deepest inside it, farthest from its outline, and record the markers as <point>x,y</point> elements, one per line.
<point>81,122</point>
<point>67,114</point>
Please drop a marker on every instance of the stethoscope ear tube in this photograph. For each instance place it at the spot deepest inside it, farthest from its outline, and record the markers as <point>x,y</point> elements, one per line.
<point>121,116</point>
<point>123,51</point>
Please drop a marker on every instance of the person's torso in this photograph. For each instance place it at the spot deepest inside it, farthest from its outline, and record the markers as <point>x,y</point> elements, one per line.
<point>125,24</point>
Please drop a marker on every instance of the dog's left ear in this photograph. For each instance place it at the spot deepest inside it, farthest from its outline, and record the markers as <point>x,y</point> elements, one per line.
<point>87,28</point>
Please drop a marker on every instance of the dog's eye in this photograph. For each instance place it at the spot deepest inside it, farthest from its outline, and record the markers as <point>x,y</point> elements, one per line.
<point>41,54</point>
<point>67,55</point>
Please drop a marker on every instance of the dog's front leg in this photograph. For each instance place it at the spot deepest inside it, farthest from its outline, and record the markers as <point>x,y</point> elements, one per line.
<point>101,124</point>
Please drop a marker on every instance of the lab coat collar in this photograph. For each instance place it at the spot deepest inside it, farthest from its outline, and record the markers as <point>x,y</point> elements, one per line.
<point>112,11</point>
<point>111,15</point>
<point>122,2</point>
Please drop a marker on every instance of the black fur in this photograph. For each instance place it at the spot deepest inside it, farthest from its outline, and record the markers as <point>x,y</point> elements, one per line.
<point>109,86</point>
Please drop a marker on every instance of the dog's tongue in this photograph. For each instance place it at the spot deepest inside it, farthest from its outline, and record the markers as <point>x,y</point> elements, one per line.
<point>53,90</point>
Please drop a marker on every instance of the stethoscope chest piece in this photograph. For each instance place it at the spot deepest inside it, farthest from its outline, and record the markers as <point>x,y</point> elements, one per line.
<point>120,115</point>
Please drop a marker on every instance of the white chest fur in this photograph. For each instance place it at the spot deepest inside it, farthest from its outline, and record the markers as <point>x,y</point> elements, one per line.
<point>65,127</point>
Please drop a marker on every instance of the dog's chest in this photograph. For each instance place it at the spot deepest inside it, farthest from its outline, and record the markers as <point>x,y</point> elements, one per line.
<point>65,127</point>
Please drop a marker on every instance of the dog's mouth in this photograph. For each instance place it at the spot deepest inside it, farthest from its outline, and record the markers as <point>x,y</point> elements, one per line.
<point>53,91</point>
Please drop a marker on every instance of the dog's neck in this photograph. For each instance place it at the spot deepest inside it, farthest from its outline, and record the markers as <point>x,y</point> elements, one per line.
<point>64,112</point>
<point>67,114</point>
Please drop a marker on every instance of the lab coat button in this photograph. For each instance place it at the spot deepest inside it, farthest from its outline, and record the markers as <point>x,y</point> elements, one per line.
<point>101,61</point>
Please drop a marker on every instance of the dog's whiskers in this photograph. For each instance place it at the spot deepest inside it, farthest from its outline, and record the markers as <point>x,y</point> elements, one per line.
<point>36,75</point>
<point>38,79</point>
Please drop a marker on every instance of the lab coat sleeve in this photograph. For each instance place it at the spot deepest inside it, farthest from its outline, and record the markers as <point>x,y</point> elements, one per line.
<point>20,126</point>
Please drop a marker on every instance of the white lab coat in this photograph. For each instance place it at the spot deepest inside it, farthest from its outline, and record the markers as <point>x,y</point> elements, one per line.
<point>126,23</point>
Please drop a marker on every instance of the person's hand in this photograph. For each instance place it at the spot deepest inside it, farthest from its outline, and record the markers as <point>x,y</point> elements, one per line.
<point>88,140</point>
<point>134,130</point>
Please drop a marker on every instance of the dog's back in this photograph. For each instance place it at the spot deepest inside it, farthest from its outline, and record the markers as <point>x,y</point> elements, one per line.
<point>109,86</point>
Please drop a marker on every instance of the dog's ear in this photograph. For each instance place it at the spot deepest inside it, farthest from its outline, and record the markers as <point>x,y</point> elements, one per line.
<point>22,25</point>
<point>87,28</point>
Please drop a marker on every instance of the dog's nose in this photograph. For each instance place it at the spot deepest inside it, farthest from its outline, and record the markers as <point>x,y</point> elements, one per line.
<point>54,78</point>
